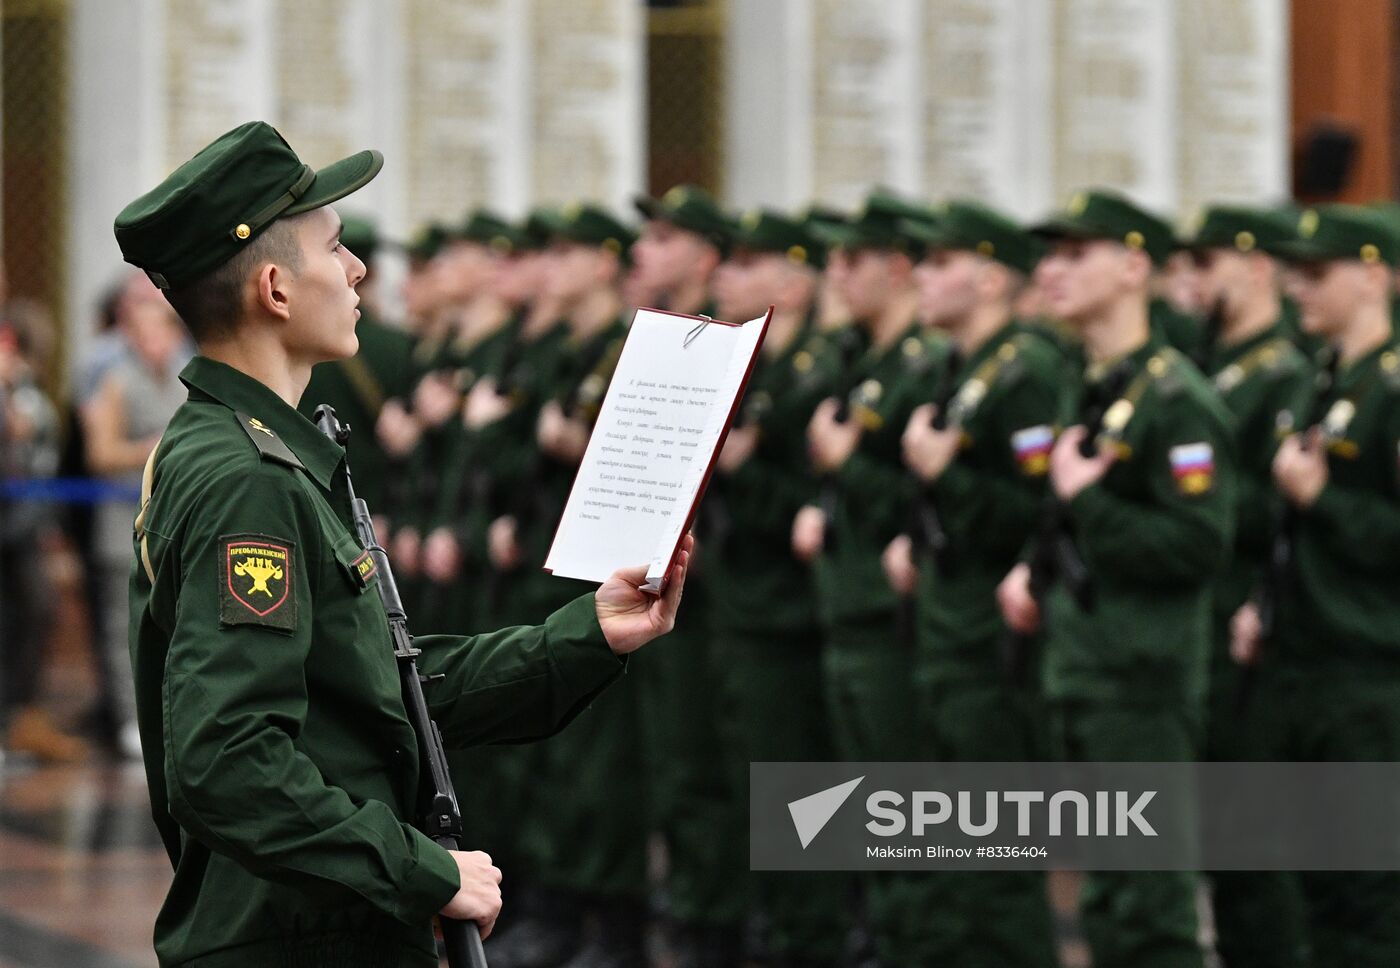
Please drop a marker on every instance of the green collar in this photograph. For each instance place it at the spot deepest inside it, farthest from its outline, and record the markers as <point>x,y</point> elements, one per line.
<point>1222,355</point>
<point>1134,361</point>
<point>315,452</point>
<point>988,347</point>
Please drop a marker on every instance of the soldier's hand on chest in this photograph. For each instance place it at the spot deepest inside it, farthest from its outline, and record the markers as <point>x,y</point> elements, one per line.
<point>1070,471</point>
<point>738,448</point>
<point>831,441</point>
<point>1300,468</point>
<point>484,405</point>
<point>928,451</point>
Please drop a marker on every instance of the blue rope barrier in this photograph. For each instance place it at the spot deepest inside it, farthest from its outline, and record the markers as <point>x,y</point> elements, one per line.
<point>67,490</point>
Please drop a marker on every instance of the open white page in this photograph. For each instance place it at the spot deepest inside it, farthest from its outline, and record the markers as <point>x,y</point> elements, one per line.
<point>657,434</point>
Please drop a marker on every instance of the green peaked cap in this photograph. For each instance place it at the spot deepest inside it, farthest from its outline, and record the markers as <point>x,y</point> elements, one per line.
<point>965,225</point>
<point>208,210</point>
<point>1100,214</point>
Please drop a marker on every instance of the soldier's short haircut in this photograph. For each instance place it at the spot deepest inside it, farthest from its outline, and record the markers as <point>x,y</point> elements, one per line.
<point>212,306</point>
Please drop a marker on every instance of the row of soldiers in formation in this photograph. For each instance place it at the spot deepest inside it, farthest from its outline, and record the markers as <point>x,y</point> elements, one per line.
<point>988,498</point>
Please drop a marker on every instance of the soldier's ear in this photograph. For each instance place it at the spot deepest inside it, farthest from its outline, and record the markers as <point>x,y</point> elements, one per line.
<point>272,290</point>
<point>1137,268</point>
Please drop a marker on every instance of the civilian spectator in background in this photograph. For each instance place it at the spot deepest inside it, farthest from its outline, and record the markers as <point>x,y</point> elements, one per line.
<point>122,423</point>
<point>29,448</point>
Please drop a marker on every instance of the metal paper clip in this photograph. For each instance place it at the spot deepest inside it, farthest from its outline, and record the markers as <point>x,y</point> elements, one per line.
<point>691,336</point>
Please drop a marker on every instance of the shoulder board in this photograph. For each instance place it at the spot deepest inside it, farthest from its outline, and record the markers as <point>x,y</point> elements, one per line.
<point>1165,369</point>
<point>269,445</point>
<point>1390,368</point>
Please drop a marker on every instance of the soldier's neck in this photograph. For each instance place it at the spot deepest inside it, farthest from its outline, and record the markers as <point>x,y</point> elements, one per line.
<point>264,361</point>
<point>982,324</point>
<point>1368,330</point>
<point>594,312</point>
<point>1119,330</point>
<point>481,316</point>
<point>892,320</point>
<point>782,330</point>
<point>1255,317</point>
<point>688,298</point>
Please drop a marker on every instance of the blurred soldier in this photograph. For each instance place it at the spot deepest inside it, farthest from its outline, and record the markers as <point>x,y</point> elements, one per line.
<point>478,319</point>
<point>1334,655</point>
<point>359,387</point>
<point>763,605</point>
<point>853,438</point>
<point>980,453</point>
<point>589,846</point>
<point>1259,374</point>
<point>683,240</point>
<point>1151,512</point>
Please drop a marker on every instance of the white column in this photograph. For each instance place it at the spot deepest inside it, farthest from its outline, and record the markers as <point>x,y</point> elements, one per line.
<point>769,103</point>
<point>117,136</point>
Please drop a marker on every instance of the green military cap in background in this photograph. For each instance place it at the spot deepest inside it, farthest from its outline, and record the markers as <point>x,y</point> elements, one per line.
<point>976,228</point>
<point>1101,214</point>
<point>763,230</point>
<point>589,225</point>
<point>691,208</point>
<point>213,205</point>
<point>427,242</point>
<point>360,235</point>
<point>484,227</point>
<point>876,226</point>
<point>1335,232</point>
<point>534,230</point>
<point>1240,228</point>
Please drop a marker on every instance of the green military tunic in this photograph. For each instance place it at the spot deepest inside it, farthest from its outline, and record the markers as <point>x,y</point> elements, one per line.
<point>1126,678</point>
<point>763,612</point>
<point>1005,399</point>
<point>1331,675</point>
<point>867,652</point>
<point>1258,918</point>
<point>280,761</point>
<point>591,778</point>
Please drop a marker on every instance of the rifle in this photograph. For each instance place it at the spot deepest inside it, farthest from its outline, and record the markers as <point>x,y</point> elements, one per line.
<point>442,817</point>
<point>926,531</point>
<point>1286,517</point>
<point>1055,558</point>
<point>850,343</point>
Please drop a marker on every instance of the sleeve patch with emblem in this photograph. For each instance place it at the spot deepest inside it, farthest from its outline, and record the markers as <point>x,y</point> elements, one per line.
<point>256,582</point>
<point>1193,467</point>
<point>1032,447</point>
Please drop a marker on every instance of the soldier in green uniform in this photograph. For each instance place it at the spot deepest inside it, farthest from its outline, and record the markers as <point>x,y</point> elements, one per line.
<point>359,387</point>
<point>281,764</point>
<point>1152,513</point>
<point>1333,660</point>
<point>470,266</point>
<point>767,640</point>
<point>1259,373</point>
<point>588,849</point>
<point>697,809</point>
<point>867,649</point>
<point>981,473</point>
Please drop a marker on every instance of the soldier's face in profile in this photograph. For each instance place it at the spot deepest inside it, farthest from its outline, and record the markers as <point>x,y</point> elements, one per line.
<point>870,278</point>
<point>1080,279</point>
<point>747,282</point>
<point>1329,293</point>
<point>666,256</point>
<point>574,270</point>
<point>321,297</point>
<point>1222,277</point>
<point>947,283</point>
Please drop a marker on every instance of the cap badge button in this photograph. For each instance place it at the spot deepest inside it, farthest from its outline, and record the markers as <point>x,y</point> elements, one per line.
<point>243,231</point>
